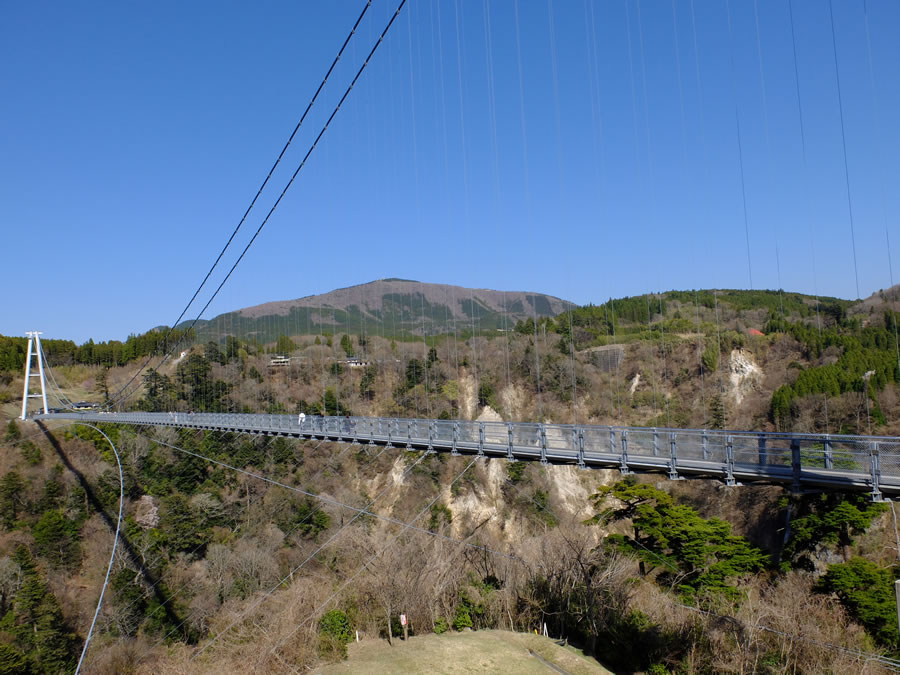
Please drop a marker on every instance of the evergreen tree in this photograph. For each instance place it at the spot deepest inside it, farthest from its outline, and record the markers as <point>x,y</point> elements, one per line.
<point>700,555</point>
<point>347,345</point>
<point>159,392</point>
<point>54,642</point>
<point>717,418</point>
<point>213,354</point>
<point>11,498</point>
<point>183,531</point>
<point>367,383</point>
<point>285,345</point>
<point>56,538</point>
<point>867,591</point>
<point>12,661</point>
<point>102,385</point>
<point>37,623</point>
<point>415,373</point>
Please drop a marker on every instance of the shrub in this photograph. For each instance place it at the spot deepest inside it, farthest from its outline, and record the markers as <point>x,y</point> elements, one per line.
<point>867,591</point>
<point>440,513</point>
<point>335,624</point>
<point>12,432</point>
<point>463,618</point>
<point>710,358</point>
<point>30,453</point>
<point>334,633</point>
<point>515,471</point>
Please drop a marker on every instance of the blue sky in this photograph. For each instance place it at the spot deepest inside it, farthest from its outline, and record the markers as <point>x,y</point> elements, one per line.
<point>133,137</point>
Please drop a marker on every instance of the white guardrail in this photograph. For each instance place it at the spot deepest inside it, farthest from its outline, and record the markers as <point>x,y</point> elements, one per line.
<point>870,463</point>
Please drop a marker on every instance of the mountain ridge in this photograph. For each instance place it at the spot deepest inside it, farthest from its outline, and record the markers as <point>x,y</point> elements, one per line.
<point>391,306</point>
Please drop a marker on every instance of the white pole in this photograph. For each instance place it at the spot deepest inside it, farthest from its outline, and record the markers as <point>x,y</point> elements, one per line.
<point>27,377</point>
<point>897,596</point>
<point>40,358</point>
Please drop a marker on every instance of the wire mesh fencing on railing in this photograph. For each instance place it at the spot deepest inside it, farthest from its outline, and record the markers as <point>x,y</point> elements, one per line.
<point>854,462</point>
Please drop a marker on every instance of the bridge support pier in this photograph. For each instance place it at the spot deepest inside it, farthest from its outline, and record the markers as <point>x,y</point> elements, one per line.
<point>796,465</point>
<point>673,453</point>
<point>729,462</point>
<point>875,464</point>
<point>481,439</point>
<point>623,458</point>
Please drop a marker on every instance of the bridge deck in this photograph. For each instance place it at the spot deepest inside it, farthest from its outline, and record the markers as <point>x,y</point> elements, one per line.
<point>858,463</point>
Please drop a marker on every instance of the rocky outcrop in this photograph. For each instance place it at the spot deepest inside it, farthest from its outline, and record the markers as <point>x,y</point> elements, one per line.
<point>146,513</point>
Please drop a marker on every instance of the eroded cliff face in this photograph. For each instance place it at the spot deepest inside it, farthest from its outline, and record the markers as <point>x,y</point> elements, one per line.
<point>514,500</point>
<point>744,375</point>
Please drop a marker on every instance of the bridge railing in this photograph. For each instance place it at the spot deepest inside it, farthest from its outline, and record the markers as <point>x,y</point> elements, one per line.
<point>855,461</point>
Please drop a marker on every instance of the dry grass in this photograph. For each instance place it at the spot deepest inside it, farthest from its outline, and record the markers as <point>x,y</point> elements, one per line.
<point>485,651</point>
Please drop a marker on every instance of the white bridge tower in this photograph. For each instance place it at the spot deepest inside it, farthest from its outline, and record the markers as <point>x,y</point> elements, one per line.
<point>34,349</point>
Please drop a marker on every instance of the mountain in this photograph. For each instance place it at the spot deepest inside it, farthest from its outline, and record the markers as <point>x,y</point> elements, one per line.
<point>389,307</point>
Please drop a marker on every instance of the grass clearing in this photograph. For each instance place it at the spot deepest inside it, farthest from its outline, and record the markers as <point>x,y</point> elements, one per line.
<point>483,651</point>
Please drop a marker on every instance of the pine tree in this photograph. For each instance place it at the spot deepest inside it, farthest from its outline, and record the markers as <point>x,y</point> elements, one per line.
<point>54,642</point>
<point>11,488</point>
<point>56,538</point>
<point>717,418</point>
<point>12,661</point>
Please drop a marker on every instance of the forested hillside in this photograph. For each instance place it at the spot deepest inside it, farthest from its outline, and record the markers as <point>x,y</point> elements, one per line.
<point>645,574</point>
<point>13,350</point>
<point>670,360</point>
<point>220,571</point>
<point>723,359</point>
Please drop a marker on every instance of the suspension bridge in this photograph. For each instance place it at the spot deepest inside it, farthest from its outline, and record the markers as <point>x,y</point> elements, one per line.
<point>803,461</point>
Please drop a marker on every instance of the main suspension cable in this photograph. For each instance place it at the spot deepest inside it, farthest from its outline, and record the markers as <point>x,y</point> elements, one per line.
<point>255,198</point>
<point>112,555</point>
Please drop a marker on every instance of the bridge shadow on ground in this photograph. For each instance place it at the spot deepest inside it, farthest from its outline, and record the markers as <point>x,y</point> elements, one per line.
<point>152,580</point>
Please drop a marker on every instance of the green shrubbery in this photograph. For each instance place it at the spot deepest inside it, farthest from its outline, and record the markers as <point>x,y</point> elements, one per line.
<point>334,634</point>
<point>831,519</point>
<point>867,591</point>
<point>701,556</point>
